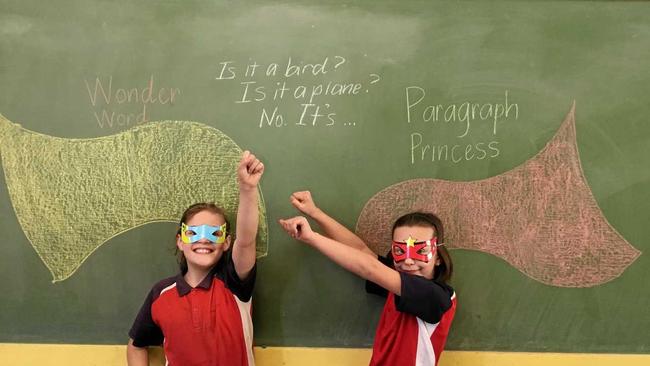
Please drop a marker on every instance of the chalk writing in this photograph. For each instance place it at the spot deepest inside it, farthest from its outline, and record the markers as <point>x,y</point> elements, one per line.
<point>107,99</point>
<point>464,113</point>
<point>421,151</point>
<point>463,117</point>
<point>298,82</point>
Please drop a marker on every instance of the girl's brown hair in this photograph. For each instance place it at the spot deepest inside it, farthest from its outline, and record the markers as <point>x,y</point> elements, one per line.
<point>187,215</point>
<point>444,270</point>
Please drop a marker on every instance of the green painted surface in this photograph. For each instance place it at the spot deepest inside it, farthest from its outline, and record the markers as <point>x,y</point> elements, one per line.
<point>188,61</point>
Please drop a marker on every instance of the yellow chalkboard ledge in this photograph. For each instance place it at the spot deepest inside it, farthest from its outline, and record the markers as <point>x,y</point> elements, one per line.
<point>16,354</point>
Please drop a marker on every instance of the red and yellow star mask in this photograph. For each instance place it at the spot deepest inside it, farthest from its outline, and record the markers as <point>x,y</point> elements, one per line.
<point>411,248</point>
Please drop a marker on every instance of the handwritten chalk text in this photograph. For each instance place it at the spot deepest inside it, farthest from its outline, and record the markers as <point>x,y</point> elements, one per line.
<point>456,153</point>
<point>105,97</point>
<point>278,85</point>
<point>464,113</point>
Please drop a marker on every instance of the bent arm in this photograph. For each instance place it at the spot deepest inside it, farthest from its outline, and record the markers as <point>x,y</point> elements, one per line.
<point>249,172</point>
<point>365,266</point>
<point>136,356</point>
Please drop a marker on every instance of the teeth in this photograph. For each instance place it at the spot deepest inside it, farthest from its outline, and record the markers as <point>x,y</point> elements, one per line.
<point>202,251</point>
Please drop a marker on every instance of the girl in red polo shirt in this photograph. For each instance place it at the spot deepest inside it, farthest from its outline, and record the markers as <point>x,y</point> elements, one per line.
<point>420,305</point>
<point>202,316</point>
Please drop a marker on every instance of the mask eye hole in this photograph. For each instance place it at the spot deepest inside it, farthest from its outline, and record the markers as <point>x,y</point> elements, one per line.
<point>218,233</point>
<point>189,233</point>
<point>397,250</point>
<point>425,250</point>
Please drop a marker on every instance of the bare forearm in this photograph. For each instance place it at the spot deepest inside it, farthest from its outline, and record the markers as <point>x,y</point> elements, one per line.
<point>249,172</point>
<point>352,259</point>
<point>335,230</point>
<point>136,356</point>
<point>247,216</point>
<point>247,220</point>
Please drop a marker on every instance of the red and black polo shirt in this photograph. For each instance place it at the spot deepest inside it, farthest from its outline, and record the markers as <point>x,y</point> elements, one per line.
<point>207,325</point>
<point>413,327</point>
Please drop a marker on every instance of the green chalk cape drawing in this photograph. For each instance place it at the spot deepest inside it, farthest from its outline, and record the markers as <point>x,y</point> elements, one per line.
<point>73,195</point>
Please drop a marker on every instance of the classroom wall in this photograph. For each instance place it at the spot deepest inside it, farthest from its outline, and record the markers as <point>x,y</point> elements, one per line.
<point>525,123</point>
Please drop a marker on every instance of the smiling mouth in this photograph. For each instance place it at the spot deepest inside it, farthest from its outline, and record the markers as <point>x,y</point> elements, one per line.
<point>202,250</point>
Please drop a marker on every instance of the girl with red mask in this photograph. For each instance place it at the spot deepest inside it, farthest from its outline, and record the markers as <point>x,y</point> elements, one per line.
<point>420,305</point>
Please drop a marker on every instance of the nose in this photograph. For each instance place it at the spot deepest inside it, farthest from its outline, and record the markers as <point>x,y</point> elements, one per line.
<point>409,261</point>
<point>203,241</point>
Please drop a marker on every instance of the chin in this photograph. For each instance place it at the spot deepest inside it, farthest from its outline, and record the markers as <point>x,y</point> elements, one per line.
<point>411,272</point>
<point>202,262</point>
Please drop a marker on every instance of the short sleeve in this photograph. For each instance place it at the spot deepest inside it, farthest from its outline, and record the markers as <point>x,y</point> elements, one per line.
<point>426,299</point>
<point>243,289</point>
<point>144,330</point>
<point>373,288</point>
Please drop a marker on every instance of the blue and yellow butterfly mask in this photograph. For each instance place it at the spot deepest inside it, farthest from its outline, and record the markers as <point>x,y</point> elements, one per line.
<point>192,234</point>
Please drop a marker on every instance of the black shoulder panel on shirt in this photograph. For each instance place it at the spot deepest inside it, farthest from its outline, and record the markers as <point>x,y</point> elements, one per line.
<point>426,299</point>
<point>243,289</point>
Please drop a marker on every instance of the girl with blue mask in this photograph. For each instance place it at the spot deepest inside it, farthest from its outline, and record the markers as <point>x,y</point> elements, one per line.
<point>202,316</point>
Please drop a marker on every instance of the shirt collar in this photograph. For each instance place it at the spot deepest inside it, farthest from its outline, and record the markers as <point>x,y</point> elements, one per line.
<point>184,288</point>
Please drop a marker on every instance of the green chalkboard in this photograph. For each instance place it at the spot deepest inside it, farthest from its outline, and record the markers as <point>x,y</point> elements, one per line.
<point>527,108</point>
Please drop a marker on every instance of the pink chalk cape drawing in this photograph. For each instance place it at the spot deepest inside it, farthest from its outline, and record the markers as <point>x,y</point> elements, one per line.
<point>540,217</point>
